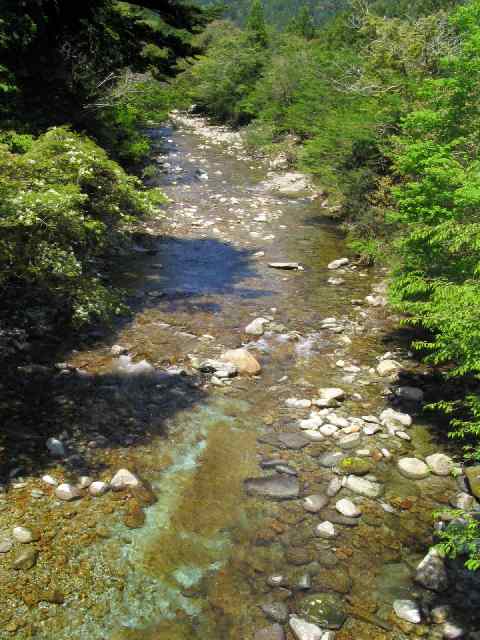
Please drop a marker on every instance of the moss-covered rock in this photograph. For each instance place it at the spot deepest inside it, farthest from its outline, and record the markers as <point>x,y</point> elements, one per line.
<point>355,466</point>
<point>324,609</point>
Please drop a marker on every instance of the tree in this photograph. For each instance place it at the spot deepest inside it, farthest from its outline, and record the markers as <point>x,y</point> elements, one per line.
<point>302,24</point>
<point>256,27</point>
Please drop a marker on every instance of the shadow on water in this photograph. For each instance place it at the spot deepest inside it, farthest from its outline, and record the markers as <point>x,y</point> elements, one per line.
<point>90,410</point>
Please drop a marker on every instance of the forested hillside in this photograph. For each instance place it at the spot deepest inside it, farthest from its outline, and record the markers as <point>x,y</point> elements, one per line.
<point>381,104</point>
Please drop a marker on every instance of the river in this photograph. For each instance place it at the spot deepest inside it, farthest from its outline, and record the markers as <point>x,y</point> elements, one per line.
<point>209,554</point>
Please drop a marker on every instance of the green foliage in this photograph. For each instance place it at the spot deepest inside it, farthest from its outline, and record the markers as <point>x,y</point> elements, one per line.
<point>63,205</point>
<point>461,537</point>
<point>256,28</point>
<point>303,24</point>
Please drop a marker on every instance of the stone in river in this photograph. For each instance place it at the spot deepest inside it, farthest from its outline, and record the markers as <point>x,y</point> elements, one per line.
<point>328,430</point>
<point>364,487</point>
<point>298,403</point>
<point>279,487</point>
<point>325,530</point>
<point>5,545</point>
<point>323,609</point>
<point>67,492</point>
<point>134,517</point>
<point>26,559</point>
<point>413,468</point>
<point>392,418</point>
<point>337,264</point>
<point>124,479</point>
<point>355,466</point>
<point>329,396</point>
<point>334,486</point>
<point>463,501</point>
<point>329,460</point>
<point>452,631</point>
<point>409,394</point>
<point>98,488</point>
<point>315,503</point>
<point>408,610</point>
<point>304,630</point>
<point>293,440</point>
<point>220,368</point>
<point>24,535</point>
<point>56,447</point>
<point>243,360</point>
<point>256,327</point>
<point>350,441</point>
<point>440,464</point>
<point>313,436</point>
<point>287,266</point>
<point>347,508</point>
<point>276,611</point>
<point>336,518</point>
<point>431,572</point>
<point>473,477</point>
<point>310,424</point>
<point>387,368</point>
<point>275,632</point>
<point>49,480</point>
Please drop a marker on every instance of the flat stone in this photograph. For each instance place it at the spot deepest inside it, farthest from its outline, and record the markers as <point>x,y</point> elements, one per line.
<point>407,610</point>
<point>431,572</point>
<point>338,421</point>
<point>276,611</point>
<point>371,429</point>
<point>124,479</point>
<point>337,264</point>
<point>330,460</point>
<point>413,468</point>
<point>473,478</point>
<point>364,487</point>
<point>323,609</point>
<point>315,503</point>
<point>334,486</point>
<point>243,360</point>
<point>298,403</point>
<point>26,559</point>
<point>337,518</point>
<point>347,508</point>
<point>325,530</point>
<point>278,487</point>
<point>328,430</point>
<point>67,492</point>
<point>313,436</point>
<point>440,464</point>
<point>286,266</point>
<point>274,632</point>
<point>310,424</point>
<point>293,441</point>
<point>304,630</point>
<point>256,327</point>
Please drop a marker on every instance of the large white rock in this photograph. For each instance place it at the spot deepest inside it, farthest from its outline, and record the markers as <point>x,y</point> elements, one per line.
<point>67,492</point>
<point>304,630</point>
<point>387,368</point>
<point>312,423</point>
<point>348,508</point>
<point>408,610</point>
<point>392,418</point>
<point>256,327</point>
<point>23,535</point>
<point>337,264</point>
<point>440,464</point>
<point>124,479</point>
<point>413,468</point>
<point>243,361</point>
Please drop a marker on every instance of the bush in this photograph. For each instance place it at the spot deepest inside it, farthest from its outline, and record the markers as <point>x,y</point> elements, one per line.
<point>63,205</point>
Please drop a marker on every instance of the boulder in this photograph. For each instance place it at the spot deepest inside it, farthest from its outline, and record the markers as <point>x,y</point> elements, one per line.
<point>413,468</point>
<point>431,573</point>
<point>440,464</point>
<point>124,479</point>
<point>256,327</point>
<point>473,477</point>
<point>243,361</point>
<point>387,368</point>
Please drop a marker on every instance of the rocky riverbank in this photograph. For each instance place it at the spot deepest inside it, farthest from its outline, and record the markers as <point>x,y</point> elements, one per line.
<point>247,455</point>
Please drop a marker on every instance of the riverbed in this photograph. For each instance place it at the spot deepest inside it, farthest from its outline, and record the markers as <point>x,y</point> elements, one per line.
<point>211,557</point>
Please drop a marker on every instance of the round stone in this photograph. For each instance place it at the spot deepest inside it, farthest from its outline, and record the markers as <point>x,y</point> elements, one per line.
<point>67,492</point>
<point>347,508</point>
<point>5,545</point>
<point>24,535</point>
<point>323,609</point>
<point>124,479</point>
<point>98,488</point>
<point>413,468</point>
<point>315,503</point>
<point>440,464</point>
<point>325,530</point>
<point>408,610</point>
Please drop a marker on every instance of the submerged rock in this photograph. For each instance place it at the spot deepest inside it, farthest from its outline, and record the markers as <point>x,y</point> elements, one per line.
<point>304,630</point>
<point>440,464</point>
<point>337,264</point>
<point>243,361</point>
<point>330,396</point>
<point>293,441</point>
<point>286,266</point>
<point>392,418</point>
<point>124,479</point>
<point>364,487</point>
<point>315,503</point>
<point>388,368</point>
<point>24,535</point>
<point>413,468</point>
<point>355,466</point>
<point>409,394</point>
<point>473,477</point>
<point>26,559</point>
<point>275,632</point>
<point>276,611</point>
<point>347,508</point>
<point>325,530</point>
<point>256,327</point>
<point>67,492</point>
<point>56,448</point>
<point>220,368</point>
<point>323,609</point>
<point>280,487</point>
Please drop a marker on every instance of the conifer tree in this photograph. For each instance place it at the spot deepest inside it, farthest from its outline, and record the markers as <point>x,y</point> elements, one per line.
<point>256,27</point>
<point>302,24</point>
